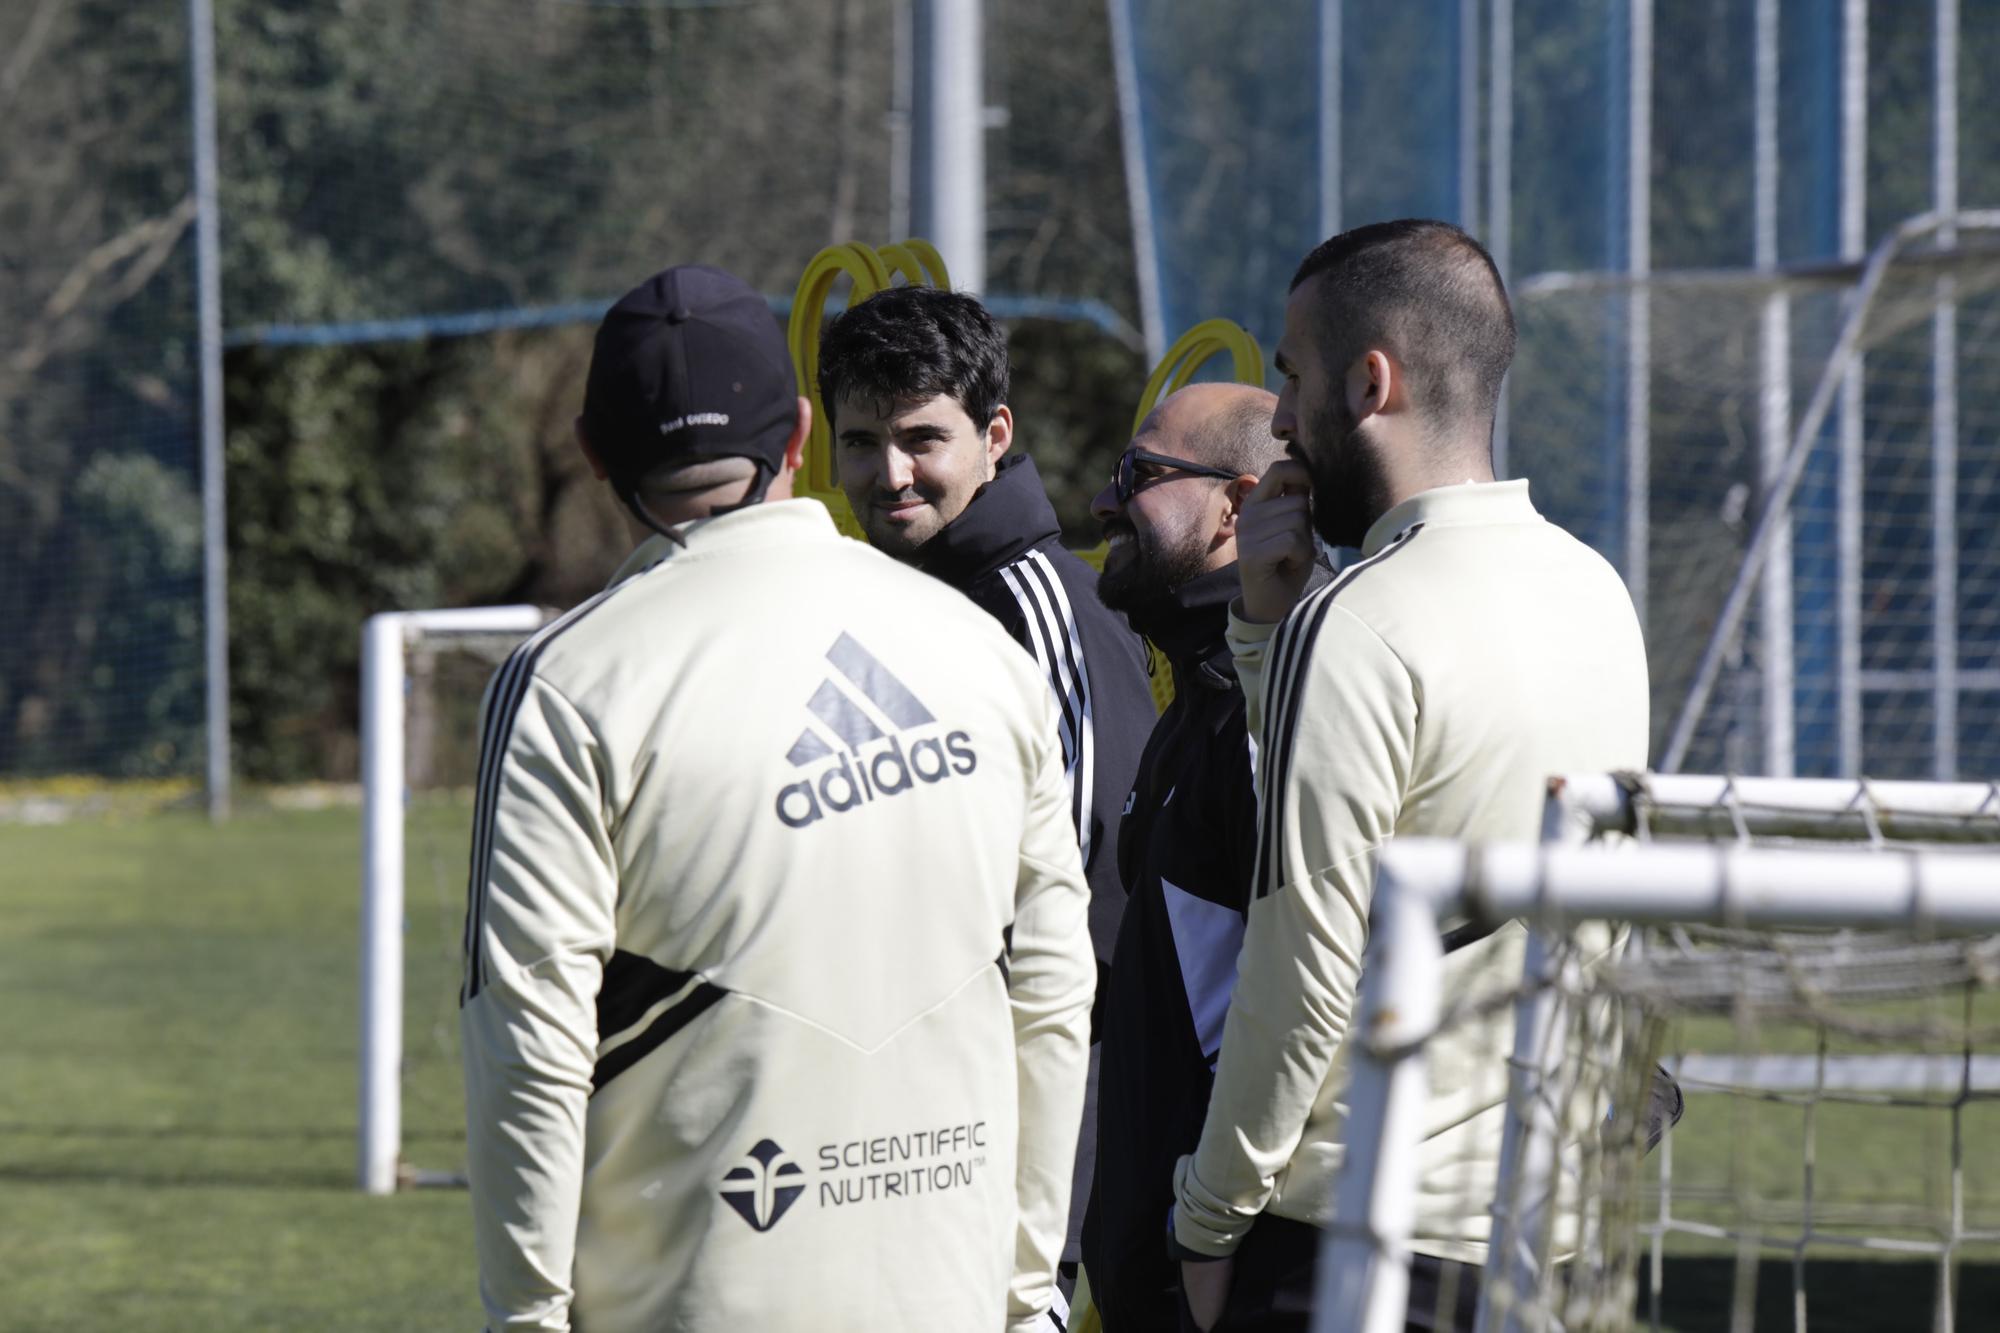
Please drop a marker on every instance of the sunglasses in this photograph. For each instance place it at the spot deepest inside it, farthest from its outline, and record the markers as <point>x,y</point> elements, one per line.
<point>1126,479</point>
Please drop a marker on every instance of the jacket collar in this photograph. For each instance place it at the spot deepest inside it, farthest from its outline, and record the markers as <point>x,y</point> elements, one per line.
<point>774,522</point>
<point>1188,623</point>
<point>1008,515</point>
<point>1468,504</point>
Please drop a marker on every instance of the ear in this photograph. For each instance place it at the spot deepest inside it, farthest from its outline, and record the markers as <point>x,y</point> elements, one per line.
<point>795,444</point>
<point>999,434</point>
<point>597,467</point>
<point>1374,384</point>
<point>1233,496</point>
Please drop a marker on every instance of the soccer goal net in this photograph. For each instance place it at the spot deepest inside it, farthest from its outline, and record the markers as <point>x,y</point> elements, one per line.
<point>1768,453</point>
<point>1751,1069</point>
<point>423,674</point>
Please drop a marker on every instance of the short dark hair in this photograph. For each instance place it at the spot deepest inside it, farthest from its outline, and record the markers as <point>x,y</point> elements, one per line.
<point>1430,295</point>
<point>912,343</point>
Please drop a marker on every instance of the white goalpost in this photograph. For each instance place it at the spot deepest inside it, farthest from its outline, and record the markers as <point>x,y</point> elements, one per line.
<point>388,642</point>
<point>1836,938</point>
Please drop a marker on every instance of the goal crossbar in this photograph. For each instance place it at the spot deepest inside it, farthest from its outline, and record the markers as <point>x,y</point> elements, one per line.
<point>1707,806</point>
<point>1363,1280</point>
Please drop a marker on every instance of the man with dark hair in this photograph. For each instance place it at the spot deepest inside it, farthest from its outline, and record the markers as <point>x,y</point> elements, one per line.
<point>772,865</point>
<point>1429,690</point>
<point>1187,844</point>
<point>915,384</point>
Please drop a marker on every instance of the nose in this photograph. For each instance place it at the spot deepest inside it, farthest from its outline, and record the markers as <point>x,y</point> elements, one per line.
<point>1105,507</point>
<point>899,473</point>
<point>1284,419</point>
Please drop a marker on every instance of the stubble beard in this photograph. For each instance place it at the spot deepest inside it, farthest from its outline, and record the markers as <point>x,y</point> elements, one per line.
<point>1349,489</point>
<point>898,541</point>
<point>1153,571</point>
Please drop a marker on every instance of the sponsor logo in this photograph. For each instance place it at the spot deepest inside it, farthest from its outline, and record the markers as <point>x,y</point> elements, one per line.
<point>764,1186</point>
<point>900,1166</point>
<point>892,741</point>
<point>882,1168</point>
<point>694,419</point>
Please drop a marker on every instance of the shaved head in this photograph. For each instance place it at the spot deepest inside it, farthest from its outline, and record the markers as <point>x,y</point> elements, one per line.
<point>1177,525</point>
<point>1222,425</point>
<point>1429,295</point>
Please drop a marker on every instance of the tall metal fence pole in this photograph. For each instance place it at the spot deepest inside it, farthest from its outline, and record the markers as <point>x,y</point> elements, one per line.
<point>208,302</point>
<point>1500,180</point>
<point>1639,307</point>
<point>1848,479</point>
<point>1944,414</point>
<point>1469,54</point>
<point>1330,92</point>
<point>1774,403</point>
<point>948,168</point>
<point>1138,187</point>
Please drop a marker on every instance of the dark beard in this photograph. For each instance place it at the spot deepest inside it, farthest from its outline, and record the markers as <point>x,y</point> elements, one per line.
<point>1152,573</point>
<point>1349,490</point>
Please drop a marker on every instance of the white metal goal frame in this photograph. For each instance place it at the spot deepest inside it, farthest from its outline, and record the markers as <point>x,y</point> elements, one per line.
<point>386,642</point>
<point>1422,884</point>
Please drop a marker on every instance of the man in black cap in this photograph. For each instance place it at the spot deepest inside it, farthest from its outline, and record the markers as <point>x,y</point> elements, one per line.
<point>777,973</point>
<point>915,382</point>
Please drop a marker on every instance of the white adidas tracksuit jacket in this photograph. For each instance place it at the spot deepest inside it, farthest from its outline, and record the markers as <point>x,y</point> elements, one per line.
<point>1429,690</point>
<point>778,976</point>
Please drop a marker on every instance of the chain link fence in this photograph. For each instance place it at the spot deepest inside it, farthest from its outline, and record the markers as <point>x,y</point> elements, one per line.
<point>398,171</point>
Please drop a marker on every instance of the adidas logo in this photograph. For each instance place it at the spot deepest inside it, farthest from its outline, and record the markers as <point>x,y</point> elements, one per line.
<point>863,707</point>
<point>764,1185</point>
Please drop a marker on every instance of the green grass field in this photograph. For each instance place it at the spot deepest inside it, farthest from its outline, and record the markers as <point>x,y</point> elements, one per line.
<point>177,1080</point>
<point>177,1103</point>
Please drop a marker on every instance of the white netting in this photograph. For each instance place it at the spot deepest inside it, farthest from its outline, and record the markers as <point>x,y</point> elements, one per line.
<point>1837,1083</point>
<point>1860,649</point>
<point>1765,1106</point>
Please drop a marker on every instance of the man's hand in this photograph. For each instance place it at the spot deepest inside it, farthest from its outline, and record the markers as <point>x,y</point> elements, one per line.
<point>1274,542</point>
<point>1207,1288</point>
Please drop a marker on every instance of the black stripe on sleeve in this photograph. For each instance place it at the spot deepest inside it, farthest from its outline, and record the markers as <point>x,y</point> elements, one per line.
<point>510,687</point>
<point>1284,692</point>
<point>1298,634</point>
<point>658,1034</point>
<point>1079,672</point>
<point>1037,618</point>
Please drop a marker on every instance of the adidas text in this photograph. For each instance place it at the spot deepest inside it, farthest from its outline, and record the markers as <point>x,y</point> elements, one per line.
<point>884,771</point>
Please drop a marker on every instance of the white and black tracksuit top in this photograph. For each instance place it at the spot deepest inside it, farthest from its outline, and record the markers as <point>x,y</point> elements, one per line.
<point>1429,690</point>
<point>778,976</point>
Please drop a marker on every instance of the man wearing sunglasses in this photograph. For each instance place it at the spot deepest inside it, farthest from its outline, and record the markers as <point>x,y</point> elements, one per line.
<point>915,384</point>
<point>1187,844</point>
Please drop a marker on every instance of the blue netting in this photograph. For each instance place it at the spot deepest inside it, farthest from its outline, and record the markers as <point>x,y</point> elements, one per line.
<point>1235,108</point>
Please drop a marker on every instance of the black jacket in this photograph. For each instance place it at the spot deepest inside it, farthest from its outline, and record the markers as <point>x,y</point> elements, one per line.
<point>1005,553</point>
<point>1186,850</point>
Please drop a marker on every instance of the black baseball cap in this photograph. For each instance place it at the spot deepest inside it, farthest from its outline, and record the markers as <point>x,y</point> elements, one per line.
<point>690,365</point>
